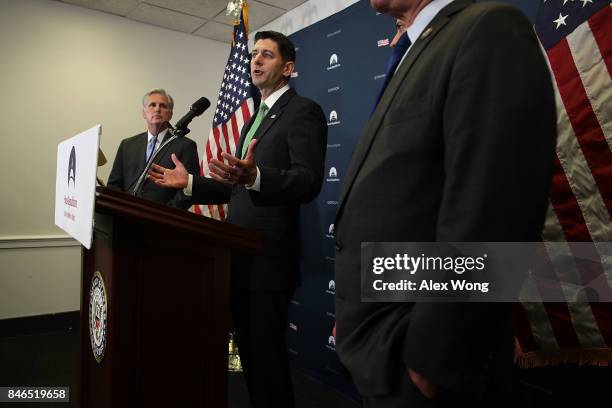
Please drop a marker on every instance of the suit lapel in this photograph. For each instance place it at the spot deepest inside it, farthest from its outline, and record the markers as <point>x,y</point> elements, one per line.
<point>274,113</point>
<point>141,150</point>
<point>136,161</point>
<point>243,133</point>
<point>271,117</point>
<point>166,152</point>
<point>372,126</point>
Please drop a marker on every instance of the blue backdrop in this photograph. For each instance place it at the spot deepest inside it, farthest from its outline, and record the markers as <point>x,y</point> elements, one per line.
<point>340,63</point>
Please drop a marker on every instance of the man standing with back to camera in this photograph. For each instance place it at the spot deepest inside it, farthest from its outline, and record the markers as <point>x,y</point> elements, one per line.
<point>278,166</point>
<point>458,149</point>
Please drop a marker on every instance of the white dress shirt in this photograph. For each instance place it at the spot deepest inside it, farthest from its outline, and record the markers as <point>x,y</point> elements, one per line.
<point>421,21</point>
<point>160,137</point>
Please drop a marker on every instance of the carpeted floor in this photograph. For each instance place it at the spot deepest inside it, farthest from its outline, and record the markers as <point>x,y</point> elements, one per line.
<point>32,356</point>
<point>52,359</point>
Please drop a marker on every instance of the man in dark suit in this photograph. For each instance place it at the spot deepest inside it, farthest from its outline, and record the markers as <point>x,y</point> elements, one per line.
<point>459,149</point>
<point>283,153</point>
<point>134,152</point>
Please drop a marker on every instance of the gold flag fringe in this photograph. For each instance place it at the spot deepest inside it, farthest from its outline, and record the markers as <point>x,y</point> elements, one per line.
<point>599,357</point>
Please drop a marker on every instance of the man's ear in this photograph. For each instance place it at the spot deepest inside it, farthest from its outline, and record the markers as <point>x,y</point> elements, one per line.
<point>144,114</point>
<point>288,69</point>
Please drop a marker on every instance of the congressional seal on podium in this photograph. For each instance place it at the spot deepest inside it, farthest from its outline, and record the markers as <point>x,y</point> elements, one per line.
<point>97,316</point>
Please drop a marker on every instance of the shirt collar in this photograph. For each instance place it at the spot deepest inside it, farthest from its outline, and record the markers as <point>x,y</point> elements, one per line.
<point>424,18</point>
<point>160,135</point>
<point>275,96</point>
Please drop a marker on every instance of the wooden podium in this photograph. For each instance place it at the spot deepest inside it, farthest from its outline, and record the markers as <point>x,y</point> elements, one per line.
<point>155,305</point>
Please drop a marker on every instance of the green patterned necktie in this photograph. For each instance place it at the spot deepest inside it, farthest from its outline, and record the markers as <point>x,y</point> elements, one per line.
<point>261,113</point>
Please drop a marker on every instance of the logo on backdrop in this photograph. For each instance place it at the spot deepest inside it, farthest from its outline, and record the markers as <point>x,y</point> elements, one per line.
<point>331,340</point>
<point>72,167</point>
<point>293,326</point>
<point>331,288</point>
<point>333,118</point>
<point>330,233</point>
<point>97,316</point>
<point>294,74</point>
<point>333,174</point>
<point>333,62</point>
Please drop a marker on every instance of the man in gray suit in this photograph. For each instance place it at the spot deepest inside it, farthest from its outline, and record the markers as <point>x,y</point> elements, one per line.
<point>134,152</point>
<point>459,149</point>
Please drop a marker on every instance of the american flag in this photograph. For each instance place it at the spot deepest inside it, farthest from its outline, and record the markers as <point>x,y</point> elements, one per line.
<point>235,107</point>
<point>382,43</point>
<point>576,36</point>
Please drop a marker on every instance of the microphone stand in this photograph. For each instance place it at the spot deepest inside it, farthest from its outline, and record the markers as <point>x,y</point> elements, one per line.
<point>176,133</point>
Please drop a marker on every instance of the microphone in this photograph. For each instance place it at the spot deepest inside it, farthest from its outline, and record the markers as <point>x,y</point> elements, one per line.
<point>196,109</point>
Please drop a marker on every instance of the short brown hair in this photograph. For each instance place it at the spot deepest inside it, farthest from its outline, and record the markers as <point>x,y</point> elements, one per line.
<point>285,46</point>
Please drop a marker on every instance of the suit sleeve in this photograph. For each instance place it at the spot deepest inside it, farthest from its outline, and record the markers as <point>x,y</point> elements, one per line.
<point>116,179</point>
<point>189,157</point>
<point>208,191</point>
<point>499,140</point>
<point>301,182</point>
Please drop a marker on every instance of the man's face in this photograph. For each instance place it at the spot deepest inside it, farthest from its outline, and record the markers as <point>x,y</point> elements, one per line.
<point>156,111</point>
<point>268,70</point>
<point>395,8</point>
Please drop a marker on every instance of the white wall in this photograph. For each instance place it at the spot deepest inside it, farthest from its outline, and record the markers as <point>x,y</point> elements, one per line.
<point>305,14</point>
<point>63,69</point>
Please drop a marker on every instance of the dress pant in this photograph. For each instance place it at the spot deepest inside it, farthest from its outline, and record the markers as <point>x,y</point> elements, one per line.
<point>260,322</point>
<point>407,395</point>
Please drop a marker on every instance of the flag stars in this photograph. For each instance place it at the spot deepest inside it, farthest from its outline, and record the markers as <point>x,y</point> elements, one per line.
<point>560,21</point>
<point>585,2</point>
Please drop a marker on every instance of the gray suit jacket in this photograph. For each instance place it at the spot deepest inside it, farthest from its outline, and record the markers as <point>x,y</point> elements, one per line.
<point>130,162</point>
<point>459,149</point>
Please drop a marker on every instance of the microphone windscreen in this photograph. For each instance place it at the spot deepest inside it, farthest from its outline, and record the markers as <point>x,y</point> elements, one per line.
<point>200,106</point>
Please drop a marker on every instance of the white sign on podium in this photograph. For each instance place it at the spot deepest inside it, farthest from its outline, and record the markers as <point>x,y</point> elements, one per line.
<point>75,184</point>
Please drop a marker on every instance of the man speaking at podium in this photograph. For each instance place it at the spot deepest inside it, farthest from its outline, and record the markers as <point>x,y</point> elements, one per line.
<point>134,153</point>
<point>279,165</point>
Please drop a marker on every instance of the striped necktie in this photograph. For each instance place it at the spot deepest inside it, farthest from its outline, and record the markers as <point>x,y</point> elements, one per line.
<point>151,148</point>
<point>396,56</point>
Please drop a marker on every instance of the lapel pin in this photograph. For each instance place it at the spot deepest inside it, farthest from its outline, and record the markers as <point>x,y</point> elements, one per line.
<point>426,33</point>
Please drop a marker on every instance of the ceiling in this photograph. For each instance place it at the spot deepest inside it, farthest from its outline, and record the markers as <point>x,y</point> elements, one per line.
<point>204,18</point>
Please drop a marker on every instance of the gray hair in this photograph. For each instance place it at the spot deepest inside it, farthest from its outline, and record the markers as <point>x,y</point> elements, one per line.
<point>159,91</point>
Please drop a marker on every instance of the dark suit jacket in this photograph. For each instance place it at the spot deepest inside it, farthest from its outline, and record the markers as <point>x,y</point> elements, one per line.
<point>130,162</point>
<point>290,155</point>
<point>459,149</point>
